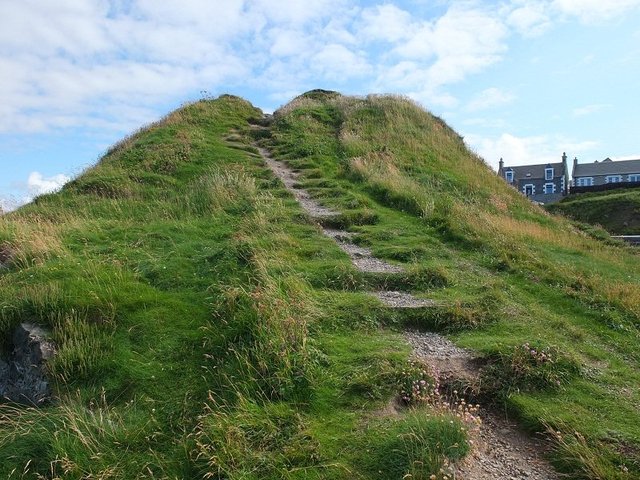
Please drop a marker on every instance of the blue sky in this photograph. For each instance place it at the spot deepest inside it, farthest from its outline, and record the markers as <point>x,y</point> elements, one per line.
<point>520,79</point>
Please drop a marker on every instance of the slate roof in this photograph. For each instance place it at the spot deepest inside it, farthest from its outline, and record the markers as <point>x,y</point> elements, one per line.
<point>606,167</point>
<point>534,171</point>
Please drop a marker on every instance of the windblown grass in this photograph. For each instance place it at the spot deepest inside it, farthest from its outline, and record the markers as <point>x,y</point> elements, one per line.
<point>550,284</point>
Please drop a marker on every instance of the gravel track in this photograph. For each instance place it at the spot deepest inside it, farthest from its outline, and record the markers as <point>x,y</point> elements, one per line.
<point>361,257</point>
<point>500,450</point>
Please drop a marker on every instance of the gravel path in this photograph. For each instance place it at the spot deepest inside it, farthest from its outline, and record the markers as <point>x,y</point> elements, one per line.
<point>290,180</point>
<point>361,257</point>
<point>501,451</point>
<point>402,300</point>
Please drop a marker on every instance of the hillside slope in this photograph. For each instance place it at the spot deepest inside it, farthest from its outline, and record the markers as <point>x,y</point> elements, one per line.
<point>206,328</point>
<point>617,211</point>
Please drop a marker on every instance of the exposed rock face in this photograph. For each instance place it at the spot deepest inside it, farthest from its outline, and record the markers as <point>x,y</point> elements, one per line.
<point>22,377</point>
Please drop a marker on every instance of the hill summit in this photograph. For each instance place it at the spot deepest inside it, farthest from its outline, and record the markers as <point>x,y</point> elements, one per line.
<point>339,290</point>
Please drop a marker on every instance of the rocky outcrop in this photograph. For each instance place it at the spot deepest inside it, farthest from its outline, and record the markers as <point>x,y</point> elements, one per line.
<point>22,376</point>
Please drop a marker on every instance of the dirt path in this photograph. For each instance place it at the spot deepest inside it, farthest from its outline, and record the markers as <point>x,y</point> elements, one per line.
<point>361,257</point>
<point>500,450</point>
<point>290,180</point>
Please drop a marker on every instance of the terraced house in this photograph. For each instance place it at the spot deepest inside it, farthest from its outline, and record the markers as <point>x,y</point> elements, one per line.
<point>606,172</point>
<point>543,183</point>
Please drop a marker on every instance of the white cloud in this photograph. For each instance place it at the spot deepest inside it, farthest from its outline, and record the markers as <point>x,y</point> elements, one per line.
<point>7,205</point>
<point>530,150</point>
<point>37,184</point>
<point>288,42</point>
<point>430,55</point>
<point>336,62</point>
<point>78,57</point>
<point>462,41</point>
<point>530,19</point>
<point>592,11</point>
<point>490,98</point>
<point>589,109</point>
<point>386,23</point>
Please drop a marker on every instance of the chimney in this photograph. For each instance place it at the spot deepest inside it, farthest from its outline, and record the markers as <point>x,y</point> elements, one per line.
<point>564,156</point>
<point>501,167</point>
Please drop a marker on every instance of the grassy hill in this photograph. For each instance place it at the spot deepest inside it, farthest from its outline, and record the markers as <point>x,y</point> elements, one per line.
<point>617,211</point>
<point>207,329</point>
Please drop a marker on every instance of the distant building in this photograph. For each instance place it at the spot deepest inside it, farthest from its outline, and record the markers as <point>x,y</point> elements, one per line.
<point>543,183</point>
<point>606,172</point>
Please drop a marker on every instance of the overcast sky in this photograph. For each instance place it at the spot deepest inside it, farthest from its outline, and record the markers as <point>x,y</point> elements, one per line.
<point>519,79</point>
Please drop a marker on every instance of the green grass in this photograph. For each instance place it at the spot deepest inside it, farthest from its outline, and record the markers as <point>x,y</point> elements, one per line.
<point>617,211</point>
<point>207,329</point>
<point>203,325</point>
<point>514,275</point>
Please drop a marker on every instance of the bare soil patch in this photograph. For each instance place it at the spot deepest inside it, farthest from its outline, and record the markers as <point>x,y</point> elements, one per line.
<point>500,450</point>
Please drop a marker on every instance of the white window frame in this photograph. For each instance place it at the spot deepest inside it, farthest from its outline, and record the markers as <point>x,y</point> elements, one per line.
<point>584,182</point>
<point>562,185</point>
<point>548,173</point>
<point>634,177</point>
<point>613,179</point>
<point>508,175</point>
<point>533,189</point>
<point>545,188</point>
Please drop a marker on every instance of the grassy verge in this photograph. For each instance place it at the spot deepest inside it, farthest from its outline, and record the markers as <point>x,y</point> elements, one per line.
<point>616,211</point>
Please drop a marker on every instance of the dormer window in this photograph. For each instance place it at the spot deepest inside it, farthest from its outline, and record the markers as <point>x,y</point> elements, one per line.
<point>548,173</point>
<point>509,175</point>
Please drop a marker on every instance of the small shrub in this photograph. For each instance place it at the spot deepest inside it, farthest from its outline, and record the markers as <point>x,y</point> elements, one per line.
<point>528,367</point>
<point>587,459</point>
<point>350,218</point>
<point>418,384</point>
<point>251,440</point>
<point>229,191</point>
<point>419,446</point>
<point>104,186</point>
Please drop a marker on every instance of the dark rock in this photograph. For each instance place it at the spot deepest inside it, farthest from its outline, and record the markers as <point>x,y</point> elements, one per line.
<point>6,255</point>
<point>22,378</point>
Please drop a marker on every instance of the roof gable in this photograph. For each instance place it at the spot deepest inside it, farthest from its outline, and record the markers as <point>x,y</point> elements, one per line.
<point>535,171</point>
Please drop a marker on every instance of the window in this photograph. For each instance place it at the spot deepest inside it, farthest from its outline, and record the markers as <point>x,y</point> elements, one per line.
<point>613,178</point>
<point>584,182</point>
<point>548,173</point>
<point>509,176</point>
<point>634,177</point>
<point>549,188</point>
<point>529,189</point>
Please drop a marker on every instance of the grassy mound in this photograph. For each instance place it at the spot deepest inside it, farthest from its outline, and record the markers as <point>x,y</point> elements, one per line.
<point>207,329</point>
<point>177,277</point>
<point>617,211</point>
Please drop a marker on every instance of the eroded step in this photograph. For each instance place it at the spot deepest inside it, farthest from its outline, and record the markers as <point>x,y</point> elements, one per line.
<point>361,257</point>
<point>395,299</point>
<point>290,180</point>
<point>500,450</point>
